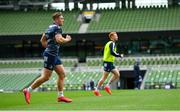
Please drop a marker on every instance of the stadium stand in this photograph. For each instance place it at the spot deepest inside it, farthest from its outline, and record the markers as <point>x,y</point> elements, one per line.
<point>160,78</point>
<point>34,22</point>
<point>74,80</point>
<point>17,79</point>
<point>10,81</point>
<point>32,63</point>
<point>127,61</point>
<point>146,60</point>
<point>137,20</point>
<point>88,71</point>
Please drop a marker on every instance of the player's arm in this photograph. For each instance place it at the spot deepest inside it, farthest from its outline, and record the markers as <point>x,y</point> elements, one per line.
<point>114,53</point>
<point>60,39</point>
<point>43,40</point>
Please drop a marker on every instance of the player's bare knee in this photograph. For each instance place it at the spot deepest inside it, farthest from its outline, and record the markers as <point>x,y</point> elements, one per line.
<point>117,76</point>
<point>102,80</point>
<point>61,76</point>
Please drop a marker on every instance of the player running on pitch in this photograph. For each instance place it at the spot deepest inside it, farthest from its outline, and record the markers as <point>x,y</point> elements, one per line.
<point>108,64</point>
<point>51,40</point>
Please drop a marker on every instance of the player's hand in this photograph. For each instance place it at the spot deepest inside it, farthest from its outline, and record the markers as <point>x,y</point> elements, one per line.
<point>121,55</point>
<point>68,37</point>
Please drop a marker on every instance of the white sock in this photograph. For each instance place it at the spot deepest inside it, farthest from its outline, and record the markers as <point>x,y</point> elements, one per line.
<point>108,85</point>
<point>97,88</point>
<point>60,93</point>
<point>30,89</point>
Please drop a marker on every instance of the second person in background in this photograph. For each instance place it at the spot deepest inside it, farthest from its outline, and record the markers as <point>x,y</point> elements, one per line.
<point>109,55</point>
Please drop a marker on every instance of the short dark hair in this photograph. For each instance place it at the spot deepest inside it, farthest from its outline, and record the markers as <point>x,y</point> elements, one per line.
<point>56,15</point>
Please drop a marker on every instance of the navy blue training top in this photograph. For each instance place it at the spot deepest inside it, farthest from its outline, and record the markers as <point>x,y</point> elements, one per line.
<point>52,46</point>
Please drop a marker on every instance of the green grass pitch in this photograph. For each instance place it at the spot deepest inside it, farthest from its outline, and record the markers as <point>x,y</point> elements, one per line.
<point>85,100</point>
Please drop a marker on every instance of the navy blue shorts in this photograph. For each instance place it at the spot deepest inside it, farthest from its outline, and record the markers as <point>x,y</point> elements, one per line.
<point>108,66</point>
<point>51,61</point>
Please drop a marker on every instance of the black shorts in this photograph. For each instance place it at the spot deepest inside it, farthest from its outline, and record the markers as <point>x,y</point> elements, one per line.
<point>108,66</point>
<point>51,61</point>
